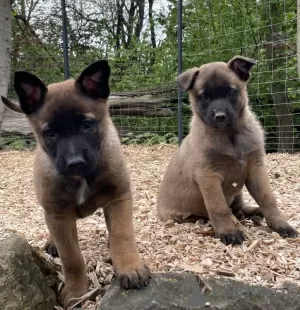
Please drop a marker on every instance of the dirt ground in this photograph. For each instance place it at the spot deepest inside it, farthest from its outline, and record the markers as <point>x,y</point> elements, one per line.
<point>264,258</point>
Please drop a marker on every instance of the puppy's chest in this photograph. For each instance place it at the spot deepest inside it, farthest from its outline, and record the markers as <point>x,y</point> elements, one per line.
<point>234,175</point>
<point>82,192</point>
<point>86,192</point>
<point>232,168</point>
<point>76,191</point>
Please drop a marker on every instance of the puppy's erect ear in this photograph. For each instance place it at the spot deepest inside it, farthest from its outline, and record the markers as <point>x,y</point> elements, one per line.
<point>11,105</point>
<point>94,80</point>
<point>30,90</point>
<point>241,66</point>
<point>185,81</point>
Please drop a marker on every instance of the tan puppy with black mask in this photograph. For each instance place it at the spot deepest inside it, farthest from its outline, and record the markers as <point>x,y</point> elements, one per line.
<point>79,167</point>
<point>223,151</point>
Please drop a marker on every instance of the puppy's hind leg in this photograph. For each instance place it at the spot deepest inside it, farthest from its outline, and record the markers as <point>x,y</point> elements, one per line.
<point>242,211</point>
<point>50,247</point>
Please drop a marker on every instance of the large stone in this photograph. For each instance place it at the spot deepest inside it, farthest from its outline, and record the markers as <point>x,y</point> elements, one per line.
<point>181,291</point>
<point>22,283</point>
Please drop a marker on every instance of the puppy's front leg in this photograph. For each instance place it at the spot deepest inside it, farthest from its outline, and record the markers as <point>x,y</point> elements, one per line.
<point>130,270</point>
<point>62,227</point>
<point>259,187</point>
<point>218,211</point>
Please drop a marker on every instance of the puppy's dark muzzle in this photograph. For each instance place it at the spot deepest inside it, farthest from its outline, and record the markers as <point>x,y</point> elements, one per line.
<point>221,119</point>
<point>75,157</point>
<point>76,165</point>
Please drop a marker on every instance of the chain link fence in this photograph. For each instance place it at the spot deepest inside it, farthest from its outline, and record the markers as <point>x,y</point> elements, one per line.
<point>142,41</point>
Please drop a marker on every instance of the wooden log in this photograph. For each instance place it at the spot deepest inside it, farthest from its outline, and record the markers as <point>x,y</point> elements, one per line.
<point>163,112</point>
<point>167,91</point>
<point>150,103</point>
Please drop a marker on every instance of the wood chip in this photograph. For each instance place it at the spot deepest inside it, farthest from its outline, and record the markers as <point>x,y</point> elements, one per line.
<point>78,301</point>
<point>207,262</point>
<point>205,232</point>
<point>191,268</point>
<point>240,226</point>
<point>206,285</point>
<point>233,257</point>
<point>225,272</point>
<point>93,277</point>
<point>253,245</point>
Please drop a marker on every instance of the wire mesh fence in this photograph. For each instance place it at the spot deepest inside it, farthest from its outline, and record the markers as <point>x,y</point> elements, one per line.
<point>140,39</point>
<point>266,31</point>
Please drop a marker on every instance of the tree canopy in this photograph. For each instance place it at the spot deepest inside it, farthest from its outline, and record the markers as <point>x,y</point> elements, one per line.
<point>139,37</point>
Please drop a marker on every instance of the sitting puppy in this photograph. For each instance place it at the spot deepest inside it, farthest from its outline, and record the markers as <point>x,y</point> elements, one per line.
<point>223,151</point>
<point>79,167</point>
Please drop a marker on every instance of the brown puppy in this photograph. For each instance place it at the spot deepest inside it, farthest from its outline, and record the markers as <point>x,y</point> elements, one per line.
<point>223,151</point>
<point>80,167</point>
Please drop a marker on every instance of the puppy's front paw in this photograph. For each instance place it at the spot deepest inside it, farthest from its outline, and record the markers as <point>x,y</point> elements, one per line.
<point>286,231</point>
<point>134,277</point>
<point>233,237</point>
<point>281,226</point>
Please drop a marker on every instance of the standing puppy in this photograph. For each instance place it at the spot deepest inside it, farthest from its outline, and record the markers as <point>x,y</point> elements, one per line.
<point>223,151</point>
<point>79,167</point>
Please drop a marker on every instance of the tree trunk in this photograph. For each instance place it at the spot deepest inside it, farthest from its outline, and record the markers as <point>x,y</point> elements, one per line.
<point>120,22</point>
<point>140,22</point>
<point>151,21</point>
<point>131,17</point>
<point>5,51</point>
<point>298,38</point>
<point>274,36</point>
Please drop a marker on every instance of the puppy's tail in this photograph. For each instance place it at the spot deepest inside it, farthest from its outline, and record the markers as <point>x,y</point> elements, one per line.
<point>11,105</point>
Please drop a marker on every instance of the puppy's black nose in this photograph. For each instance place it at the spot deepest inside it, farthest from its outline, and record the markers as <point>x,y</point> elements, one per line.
<point>76,162</point>
<point>220,117</point>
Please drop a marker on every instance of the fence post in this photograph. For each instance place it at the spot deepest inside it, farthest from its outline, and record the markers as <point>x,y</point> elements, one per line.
<point>65,40</point>
<point>298,38</point>
<point>179,39</point>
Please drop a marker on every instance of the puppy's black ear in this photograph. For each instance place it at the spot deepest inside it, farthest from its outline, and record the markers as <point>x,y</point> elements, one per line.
<point>241,66</point>
<point>94,80</point>
<point>30,90</point>
<point>185,81</point>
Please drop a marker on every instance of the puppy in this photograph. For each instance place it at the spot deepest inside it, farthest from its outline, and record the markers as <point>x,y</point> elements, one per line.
<point>223,151</point>
<point>79,167</point>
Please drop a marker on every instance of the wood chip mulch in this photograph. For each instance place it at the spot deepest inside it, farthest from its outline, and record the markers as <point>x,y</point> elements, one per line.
<point>264,258</point>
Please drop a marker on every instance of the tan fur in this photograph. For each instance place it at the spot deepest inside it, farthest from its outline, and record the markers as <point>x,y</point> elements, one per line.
<point>65,199</point>
<point>211,166</point>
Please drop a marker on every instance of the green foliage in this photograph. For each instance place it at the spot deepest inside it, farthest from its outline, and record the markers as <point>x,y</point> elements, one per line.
<point>16,141</point>
<point>148,138</point>
<point>212,31</point>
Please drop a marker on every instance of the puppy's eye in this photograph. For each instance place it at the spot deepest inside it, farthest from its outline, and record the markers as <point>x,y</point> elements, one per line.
<point>88,124</point>
<point>231,92</point>
<point>204,96</point>
<point>50,133</point>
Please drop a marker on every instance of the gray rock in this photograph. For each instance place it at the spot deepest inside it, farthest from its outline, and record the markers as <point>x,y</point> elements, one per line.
<point>181,291</point>
<point>22,284</point>
<point>230,294</point>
